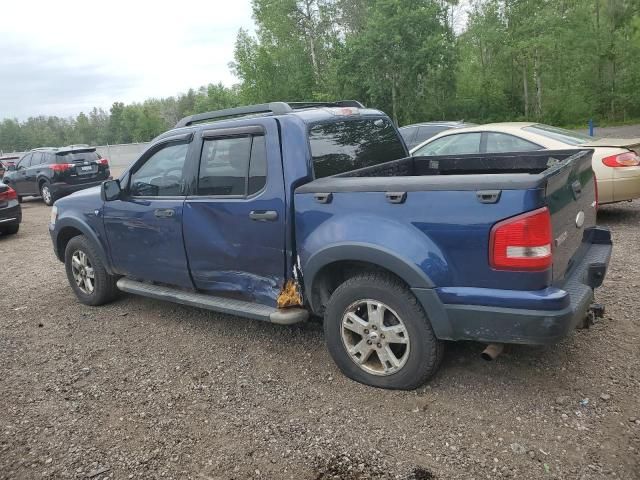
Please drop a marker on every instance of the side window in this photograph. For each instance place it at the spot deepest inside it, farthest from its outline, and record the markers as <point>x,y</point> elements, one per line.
<point>457,144</point>
<point>257,166</point>
<point>501,142</point>
<point>426,132</point>
<point>24,163</point>
<point>235,166</point>
<point>409,135</point>
<point>36,159</point>
<point>162,173</point>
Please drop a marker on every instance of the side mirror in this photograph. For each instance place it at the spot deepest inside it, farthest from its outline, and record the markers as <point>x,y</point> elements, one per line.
<point>11,168</point>
<point>111,190</point>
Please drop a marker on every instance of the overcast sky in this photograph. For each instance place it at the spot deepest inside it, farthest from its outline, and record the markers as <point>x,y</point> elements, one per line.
<point>63,57</point>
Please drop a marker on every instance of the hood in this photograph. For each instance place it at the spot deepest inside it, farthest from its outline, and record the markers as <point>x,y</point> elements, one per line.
<point>614,142</point>
<point>87,198</point>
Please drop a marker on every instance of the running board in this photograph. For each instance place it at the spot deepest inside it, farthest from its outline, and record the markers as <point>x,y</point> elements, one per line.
<point>256,311</point>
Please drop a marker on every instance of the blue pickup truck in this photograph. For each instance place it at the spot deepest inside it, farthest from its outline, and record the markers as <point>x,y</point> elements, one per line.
<point>281,211</point>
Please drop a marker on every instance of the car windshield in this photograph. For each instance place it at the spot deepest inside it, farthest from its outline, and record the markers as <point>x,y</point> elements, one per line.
<point>559,134</point>
<point>339,147</point>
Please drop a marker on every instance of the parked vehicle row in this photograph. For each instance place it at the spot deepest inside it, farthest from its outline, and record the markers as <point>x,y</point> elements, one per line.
<point>280,211</point>
<point>615,161</point>
<point>6,162</point>
<point>52,173</point>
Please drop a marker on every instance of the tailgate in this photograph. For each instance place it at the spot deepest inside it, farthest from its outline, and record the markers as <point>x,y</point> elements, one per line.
<point>571,198</point>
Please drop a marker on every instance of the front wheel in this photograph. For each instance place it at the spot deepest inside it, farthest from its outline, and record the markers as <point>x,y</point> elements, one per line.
<point>86,273</point>
<point>45,193</point>
<point>379,335</point>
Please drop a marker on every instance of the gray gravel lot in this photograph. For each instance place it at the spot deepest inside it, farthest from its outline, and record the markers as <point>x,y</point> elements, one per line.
<point>144,389</point>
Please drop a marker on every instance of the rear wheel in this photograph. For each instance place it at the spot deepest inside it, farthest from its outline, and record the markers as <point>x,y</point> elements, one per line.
<point>86,273</point>
<point>46,194</point>
<point>379,335</point>
<point>10,229</point>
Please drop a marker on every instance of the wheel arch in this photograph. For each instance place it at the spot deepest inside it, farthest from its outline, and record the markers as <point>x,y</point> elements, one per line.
<point>328,268</point>
<point>69,228</point>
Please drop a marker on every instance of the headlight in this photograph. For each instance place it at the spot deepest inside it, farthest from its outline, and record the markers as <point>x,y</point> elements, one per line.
<point>54,215</point>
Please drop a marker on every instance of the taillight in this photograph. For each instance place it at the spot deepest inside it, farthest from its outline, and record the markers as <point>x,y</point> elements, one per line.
<point>61,167</point>
<point>103,161</point>
<point>522,242</point>
<point>627,159</point>
<point>9,194</point>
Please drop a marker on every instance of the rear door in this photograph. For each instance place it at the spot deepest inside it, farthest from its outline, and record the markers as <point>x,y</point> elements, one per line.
<point>31,178</point>
<point>571,198</point>
<point>144,227</point>
<point>234,224</point>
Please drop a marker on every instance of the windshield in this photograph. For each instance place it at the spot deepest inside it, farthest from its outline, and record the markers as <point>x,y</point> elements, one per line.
<point>340,147</point>
<point>559,134</point>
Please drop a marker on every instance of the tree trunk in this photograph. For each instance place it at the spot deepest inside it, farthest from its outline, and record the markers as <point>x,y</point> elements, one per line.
<point>311,32</point>
<point>394,100</point>
<point>538,83</point>
<point>525,87</point>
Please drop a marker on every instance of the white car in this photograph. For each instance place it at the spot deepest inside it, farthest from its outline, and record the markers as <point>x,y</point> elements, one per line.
<point>615,161</point>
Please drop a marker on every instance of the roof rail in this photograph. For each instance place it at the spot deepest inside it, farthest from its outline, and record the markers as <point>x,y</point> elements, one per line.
<point>276,108</point>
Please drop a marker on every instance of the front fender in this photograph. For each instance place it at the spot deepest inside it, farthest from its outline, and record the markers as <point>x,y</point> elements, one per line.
<point>65,223</point>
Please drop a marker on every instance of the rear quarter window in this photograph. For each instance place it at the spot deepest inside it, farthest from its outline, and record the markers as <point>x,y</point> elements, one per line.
<point>347,145</point>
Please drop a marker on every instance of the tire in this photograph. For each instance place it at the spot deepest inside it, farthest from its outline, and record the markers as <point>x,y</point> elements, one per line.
<point>104,285</point>
<point>47,196</point>
<point>416,360</point>
<point>10,229</point>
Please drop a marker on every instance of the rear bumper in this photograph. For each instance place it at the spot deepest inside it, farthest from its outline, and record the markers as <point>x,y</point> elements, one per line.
<point>535,324</point>
<point>11,213</point>
<point>60,188</point>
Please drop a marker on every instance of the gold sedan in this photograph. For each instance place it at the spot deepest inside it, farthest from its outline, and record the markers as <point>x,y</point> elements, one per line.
<point>616,162</point>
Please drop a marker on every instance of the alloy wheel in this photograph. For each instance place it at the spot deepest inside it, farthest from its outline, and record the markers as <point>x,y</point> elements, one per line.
<point>375,337</point>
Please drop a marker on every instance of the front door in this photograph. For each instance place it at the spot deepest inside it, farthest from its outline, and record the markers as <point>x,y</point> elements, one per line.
<point>144,227</point>
<point>19,178</point>
<point>234,224</point>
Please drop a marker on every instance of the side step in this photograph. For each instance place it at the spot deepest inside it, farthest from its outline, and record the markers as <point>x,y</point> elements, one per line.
<point>256,311</point>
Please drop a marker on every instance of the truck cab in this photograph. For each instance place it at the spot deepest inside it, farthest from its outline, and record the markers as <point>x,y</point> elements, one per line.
<point>281,211</point>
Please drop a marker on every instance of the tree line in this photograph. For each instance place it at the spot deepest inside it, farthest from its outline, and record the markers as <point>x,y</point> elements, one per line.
<point>555,61</point>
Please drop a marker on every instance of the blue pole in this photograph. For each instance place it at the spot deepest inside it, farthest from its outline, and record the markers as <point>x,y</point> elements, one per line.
<point>591,127</point>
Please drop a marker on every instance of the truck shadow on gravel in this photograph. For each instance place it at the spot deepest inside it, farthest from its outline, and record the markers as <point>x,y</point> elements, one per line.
<point>618,214</point>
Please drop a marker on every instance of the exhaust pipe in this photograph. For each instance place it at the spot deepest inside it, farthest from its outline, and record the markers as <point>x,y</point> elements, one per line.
<point>492,351</point>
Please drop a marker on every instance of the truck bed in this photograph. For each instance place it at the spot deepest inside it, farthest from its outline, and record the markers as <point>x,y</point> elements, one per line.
<point>501,171</point>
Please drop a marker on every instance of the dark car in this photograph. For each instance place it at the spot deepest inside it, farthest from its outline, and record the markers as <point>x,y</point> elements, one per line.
<point>10,211</point>
<point>417,133</point>
<point>6,162</point>
<point>53,173</point>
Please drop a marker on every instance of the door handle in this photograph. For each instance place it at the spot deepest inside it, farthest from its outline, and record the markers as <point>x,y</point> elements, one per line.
<point>263,215</point>
<point>164,212</point>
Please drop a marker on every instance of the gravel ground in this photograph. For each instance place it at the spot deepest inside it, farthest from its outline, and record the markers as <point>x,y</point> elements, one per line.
<point>144,389</point>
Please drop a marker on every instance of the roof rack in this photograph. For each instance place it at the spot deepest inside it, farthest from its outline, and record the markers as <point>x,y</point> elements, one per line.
<point>275,108</point>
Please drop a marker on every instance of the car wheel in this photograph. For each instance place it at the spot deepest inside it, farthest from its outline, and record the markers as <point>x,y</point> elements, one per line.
<point>45,193</point>
<point>379,335</point>
<point>87,275</point>
<point>10,229</point>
